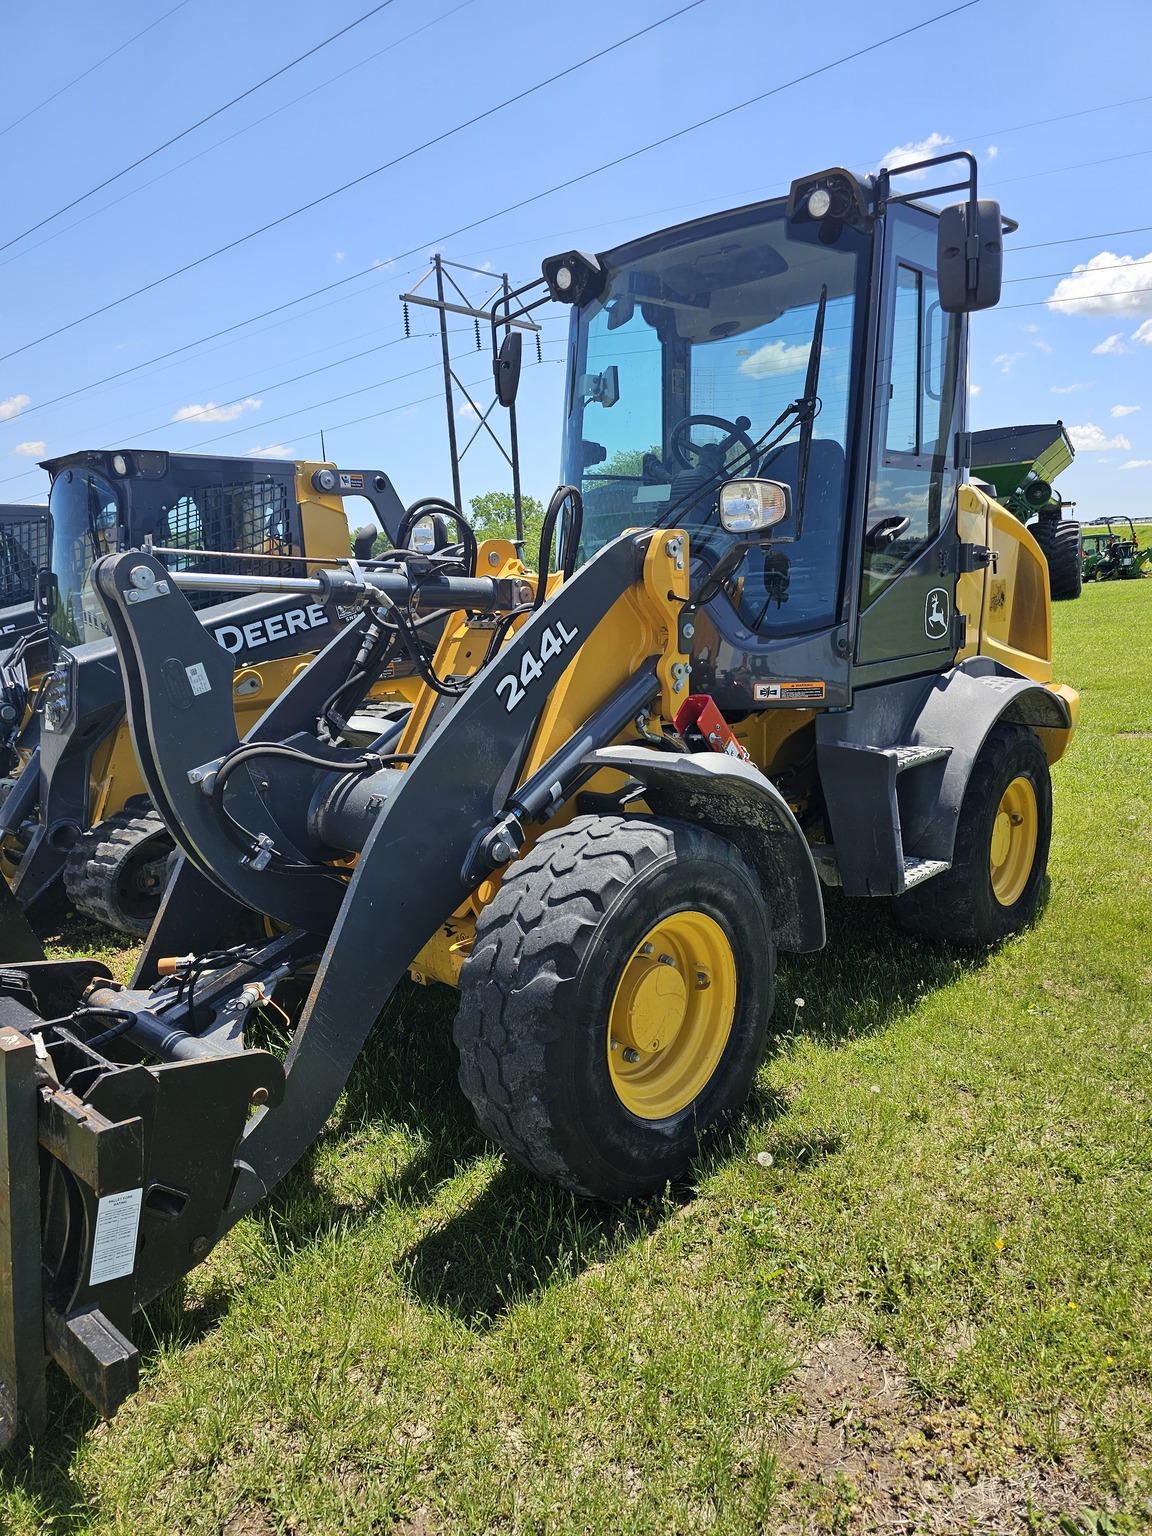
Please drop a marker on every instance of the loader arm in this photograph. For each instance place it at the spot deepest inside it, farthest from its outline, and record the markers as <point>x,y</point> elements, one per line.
<point>175,1126</point>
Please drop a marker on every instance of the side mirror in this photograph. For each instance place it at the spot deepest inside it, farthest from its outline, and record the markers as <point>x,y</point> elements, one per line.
<point>363,542</point>
<point>969,256</point>
<point>45,594</point>
<point>749,508</point>
<point>506,368</point>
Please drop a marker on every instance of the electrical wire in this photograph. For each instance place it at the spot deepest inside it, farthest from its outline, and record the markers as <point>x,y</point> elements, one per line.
<point>365,176</point>
<point>375,268</point>
<point>199,123</point>
<point>91,70</point>
<point>292,105</point>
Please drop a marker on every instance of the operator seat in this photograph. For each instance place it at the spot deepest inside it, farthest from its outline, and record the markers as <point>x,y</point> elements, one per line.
<point>814,561</point>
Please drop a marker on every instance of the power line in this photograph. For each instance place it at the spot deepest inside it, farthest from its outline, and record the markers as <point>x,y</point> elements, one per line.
<point>92,68</point>
<point>521,203</point>
<point>1101,234</point>
<point>1115,266</point>
<point>1075,298</point>
<point>199,123</point>
<point>292,105</point>
<point>358,180</point>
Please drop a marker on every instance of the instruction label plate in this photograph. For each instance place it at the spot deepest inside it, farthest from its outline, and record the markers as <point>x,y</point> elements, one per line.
<point>198,678</point>
<point>808,690</point>
<point>114,1245</point>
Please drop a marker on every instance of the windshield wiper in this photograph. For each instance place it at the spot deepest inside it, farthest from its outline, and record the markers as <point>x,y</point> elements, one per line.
<point>802,411</point>
<point>810,401</point>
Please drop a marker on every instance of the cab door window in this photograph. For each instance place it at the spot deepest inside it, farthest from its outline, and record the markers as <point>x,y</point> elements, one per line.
<point>913,480</point>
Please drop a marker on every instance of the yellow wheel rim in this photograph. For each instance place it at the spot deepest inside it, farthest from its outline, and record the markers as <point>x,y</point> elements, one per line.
<point>671,1015</point>
<point>1015,833</point>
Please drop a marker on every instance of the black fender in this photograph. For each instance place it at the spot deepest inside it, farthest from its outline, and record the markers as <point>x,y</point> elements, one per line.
<point>959,712</point>
<point>736,801</point>
<point>874,822</point>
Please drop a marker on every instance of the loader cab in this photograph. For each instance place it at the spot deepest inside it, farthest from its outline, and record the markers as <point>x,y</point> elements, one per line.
<point>805,340</point>
<point>210,510</point>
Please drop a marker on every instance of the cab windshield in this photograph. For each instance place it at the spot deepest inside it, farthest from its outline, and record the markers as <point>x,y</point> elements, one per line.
<point>85,525</point>
<point>683,373</point>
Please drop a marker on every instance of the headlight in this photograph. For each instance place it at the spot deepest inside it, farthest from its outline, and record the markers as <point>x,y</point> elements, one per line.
<point>750,506</point>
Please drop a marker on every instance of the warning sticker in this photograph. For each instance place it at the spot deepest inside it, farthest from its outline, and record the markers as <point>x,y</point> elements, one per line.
<point>198,678</point>
<point>788,693</point>
<point>351,482</point>
<point>114,1245</point>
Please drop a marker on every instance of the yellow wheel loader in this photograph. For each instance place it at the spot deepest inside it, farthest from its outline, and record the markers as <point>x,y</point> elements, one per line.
<point>75,808</point>
<point>786,647</point>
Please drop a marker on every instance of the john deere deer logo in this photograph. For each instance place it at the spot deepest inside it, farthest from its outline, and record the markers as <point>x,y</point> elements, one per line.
<point>936,614</point>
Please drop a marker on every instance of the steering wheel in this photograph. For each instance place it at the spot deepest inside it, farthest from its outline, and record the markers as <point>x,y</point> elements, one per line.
<point>690,455</point>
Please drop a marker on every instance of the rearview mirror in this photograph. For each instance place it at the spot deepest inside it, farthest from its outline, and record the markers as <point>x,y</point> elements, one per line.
<point>506,368</point>
<point>969,256</point>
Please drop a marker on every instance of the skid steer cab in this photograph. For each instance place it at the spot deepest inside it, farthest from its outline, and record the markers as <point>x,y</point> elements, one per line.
<point>75,808</point>
<point>784,645</point>
<point>25,534</point>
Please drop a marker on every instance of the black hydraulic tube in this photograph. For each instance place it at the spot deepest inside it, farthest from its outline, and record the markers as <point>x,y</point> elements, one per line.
<point>152,1034</point>
<point>539,795</point>
<point>485,594</point>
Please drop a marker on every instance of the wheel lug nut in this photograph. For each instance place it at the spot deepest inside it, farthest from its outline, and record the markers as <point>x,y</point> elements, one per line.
<point>631,1055</point>
<point>645,949</point>
<point>703,980</point>
<point>667,960</point>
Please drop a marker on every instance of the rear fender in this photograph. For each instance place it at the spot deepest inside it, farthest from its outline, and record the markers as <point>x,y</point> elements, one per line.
<point>959,712</point>
<point>736,801</point>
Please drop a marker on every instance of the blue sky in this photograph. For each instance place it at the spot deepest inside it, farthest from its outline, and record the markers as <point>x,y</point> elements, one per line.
<point>419,67</point>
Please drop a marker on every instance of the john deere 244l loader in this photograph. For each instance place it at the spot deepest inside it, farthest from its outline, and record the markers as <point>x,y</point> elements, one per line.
<point>75,805</point>
<point>787,646</point>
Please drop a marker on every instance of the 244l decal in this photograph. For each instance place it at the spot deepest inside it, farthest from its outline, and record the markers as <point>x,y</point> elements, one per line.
<point>555,638</point>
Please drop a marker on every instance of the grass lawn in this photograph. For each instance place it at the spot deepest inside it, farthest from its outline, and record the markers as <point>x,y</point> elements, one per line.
<point>912,1294</point>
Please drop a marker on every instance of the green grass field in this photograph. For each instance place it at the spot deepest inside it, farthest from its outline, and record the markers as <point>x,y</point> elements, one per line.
<point>911,1294</point>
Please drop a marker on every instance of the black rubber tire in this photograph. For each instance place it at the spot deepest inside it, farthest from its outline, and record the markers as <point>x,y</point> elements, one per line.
<point>1059,538</point>
<point>959,907</point>
<point>536,990</point>
<point>102,874</point>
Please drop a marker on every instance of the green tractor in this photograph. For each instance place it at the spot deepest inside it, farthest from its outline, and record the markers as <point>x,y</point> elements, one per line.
<point>1019,464</point>
<point>1111,557</point>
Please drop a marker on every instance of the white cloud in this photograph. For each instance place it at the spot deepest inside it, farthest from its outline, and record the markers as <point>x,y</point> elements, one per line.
<point>1066,389</point>
<point>465,410</point>
<point>1143,332</point>
<point>992,151</point>
<point>214,412</point>
<point>1090,438</point>
<point>1111,345</point>
<point>1124,410</point>
<point>773,358</point>
<point>13,406</point>
<point>1006,361</point>
<point>1137,464</point>
<point>337,255</point>
<point>973,389</point>
<point>918,149</point>
<point>30,450</point>
<point>1106,285</point>
<point>268,451</point>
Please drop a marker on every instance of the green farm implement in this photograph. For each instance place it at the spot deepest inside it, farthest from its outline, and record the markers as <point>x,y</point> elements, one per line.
<point>1020,464</point>
<point>1112,557</point>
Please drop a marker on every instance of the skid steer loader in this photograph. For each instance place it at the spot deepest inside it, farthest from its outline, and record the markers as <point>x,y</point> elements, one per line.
<point>75,807</point>
<point>772,658</point>
<point>24,540</point>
